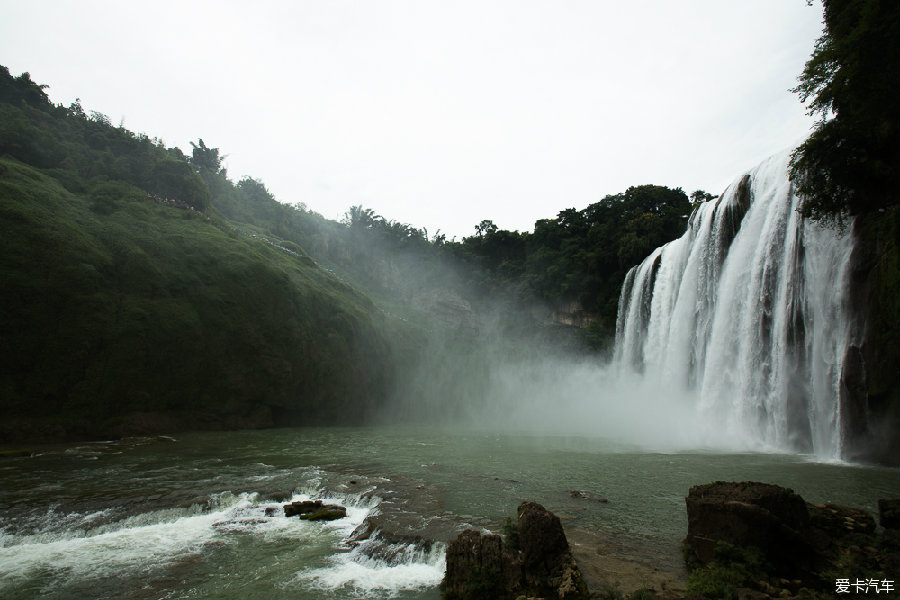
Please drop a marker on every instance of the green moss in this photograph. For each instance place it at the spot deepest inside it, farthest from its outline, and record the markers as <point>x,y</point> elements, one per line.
<point>731,567</point>
<point>510,531</point>
<point>715,582</point>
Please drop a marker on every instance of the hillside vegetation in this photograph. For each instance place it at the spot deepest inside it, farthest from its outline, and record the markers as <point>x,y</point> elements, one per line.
<point>144,316</point>
<point>145,291</point>
<point>124,314</point>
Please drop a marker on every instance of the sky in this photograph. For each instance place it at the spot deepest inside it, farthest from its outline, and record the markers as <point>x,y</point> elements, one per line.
<point>438,114</point>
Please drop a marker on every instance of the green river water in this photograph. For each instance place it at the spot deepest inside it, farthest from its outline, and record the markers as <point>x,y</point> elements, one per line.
<point>198,515</point>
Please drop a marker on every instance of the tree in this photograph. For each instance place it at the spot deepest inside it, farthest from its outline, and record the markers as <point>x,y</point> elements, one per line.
<point>359,218</point>
<point>176,180</point>
<point>698,197</point>
<point>255,190</point>
<point>22,89</point>
<point>486,227</point>
<point>206,159</point>
<point>850,164</point>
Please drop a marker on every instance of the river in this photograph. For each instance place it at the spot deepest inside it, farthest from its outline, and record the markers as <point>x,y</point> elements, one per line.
<point>198,515</point>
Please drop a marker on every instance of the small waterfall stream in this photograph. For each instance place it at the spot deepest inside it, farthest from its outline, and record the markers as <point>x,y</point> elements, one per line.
<point>748,311</point>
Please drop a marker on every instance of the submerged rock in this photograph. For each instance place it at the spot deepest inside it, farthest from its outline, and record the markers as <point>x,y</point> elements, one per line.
<point>481,566</point>
<point>585,495</point>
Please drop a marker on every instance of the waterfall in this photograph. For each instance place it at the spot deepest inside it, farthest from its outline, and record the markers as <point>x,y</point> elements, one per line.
<point>748,312</point>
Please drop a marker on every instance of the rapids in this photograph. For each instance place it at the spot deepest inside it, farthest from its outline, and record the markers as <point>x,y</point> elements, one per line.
<point>199,516</point>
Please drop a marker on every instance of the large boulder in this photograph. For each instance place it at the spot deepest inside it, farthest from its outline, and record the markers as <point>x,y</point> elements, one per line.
<point>482,566</point>
<point>773,532</point>
<point>767,517</point>
<point>479,566</point>
<point>547,562</point>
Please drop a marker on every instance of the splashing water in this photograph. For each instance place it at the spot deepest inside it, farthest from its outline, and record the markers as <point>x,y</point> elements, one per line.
<point>748,312</point>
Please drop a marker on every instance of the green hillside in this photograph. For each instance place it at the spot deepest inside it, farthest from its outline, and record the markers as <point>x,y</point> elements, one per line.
<point>122,315</point>
<point>144,291</point>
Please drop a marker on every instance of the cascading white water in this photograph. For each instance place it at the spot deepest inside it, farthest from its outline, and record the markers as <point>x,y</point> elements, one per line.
<point>748,311</point>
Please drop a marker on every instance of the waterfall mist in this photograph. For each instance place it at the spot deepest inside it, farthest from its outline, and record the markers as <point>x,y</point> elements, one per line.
<point>728,338</point>
<point>748,311</point>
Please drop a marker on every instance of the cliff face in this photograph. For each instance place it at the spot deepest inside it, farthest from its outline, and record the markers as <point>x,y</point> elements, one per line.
<point>568,313</point>
<point>871,375</point>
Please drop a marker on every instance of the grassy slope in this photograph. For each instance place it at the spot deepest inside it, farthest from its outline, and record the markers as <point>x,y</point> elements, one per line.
<point>123,316</point>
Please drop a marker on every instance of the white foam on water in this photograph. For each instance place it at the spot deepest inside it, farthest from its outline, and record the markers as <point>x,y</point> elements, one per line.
<point>354,571</point>
<point>150,541</point>
<point>411,568</point>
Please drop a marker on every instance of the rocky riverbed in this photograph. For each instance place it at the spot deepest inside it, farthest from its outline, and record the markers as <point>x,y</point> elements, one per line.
<point>745,540</point>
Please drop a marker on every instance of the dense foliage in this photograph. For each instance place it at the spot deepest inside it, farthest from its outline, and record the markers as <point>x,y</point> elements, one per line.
<point>145,291</point>
<point>851,162</point>
<point>849,167</point>
<point>125,309</point>
<point>582,256</point>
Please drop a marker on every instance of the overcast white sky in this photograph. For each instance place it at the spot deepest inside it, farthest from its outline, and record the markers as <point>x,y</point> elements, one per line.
<point>437,114</point>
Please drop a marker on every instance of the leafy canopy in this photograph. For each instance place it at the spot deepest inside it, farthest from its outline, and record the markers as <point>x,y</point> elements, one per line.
<point>850,163</point>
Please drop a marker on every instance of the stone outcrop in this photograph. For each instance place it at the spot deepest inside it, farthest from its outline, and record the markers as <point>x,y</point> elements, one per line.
<point>784,537</point>
<point>481,565</point>
<point>314,510</point>
<point>768,517</point>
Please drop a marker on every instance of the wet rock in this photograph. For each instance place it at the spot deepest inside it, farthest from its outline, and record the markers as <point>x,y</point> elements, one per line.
<point>386,546</point>
<point>280,496</point>
<point>541,538</point>
<point>581,494</point>
<point>478,566</point>
<point>330,512</point>
<point>548,565</point>
<point>481,566</point>
<point>314,510</point>
<point>302,507</point>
